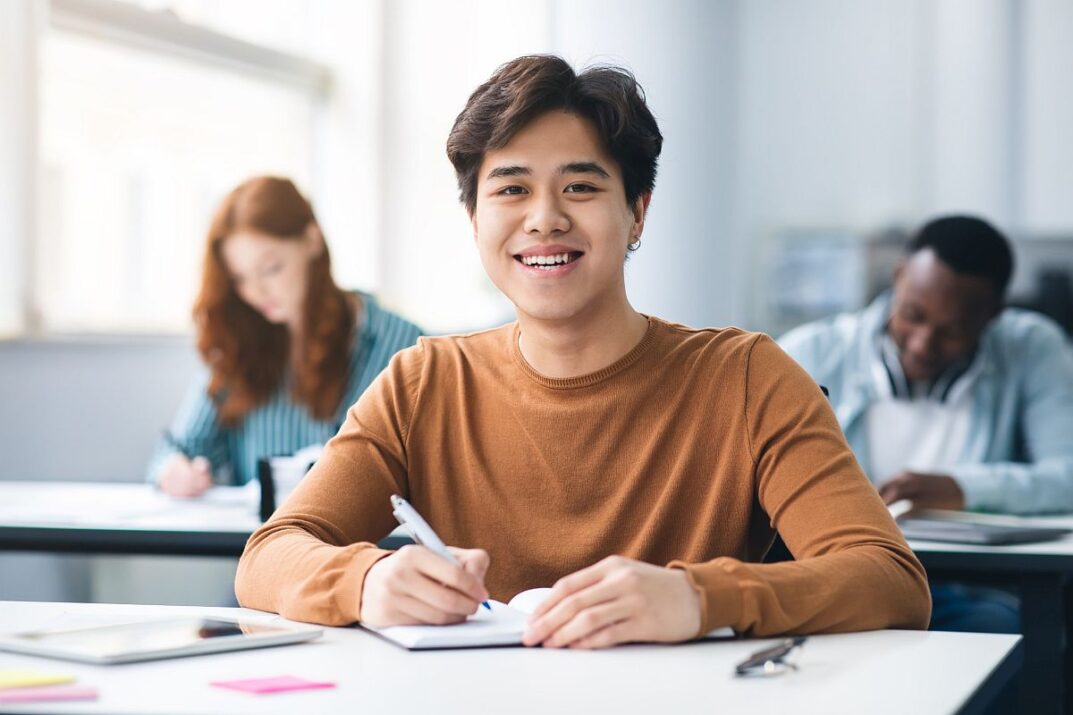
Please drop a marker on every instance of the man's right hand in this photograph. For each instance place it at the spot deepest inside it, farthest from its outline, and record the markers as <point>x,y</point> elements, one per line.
<point>185,478</point>
<point>415,586</point>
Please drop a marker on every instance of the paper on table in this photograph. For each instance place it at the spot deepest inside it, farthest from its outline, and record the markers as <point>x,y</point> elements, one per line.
<point>504,625</point>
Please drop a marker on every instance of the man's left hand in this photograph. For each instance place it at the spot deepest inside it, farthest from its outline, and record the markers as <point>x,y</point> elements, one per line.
<point>926,491</point>
<point>617,600</point>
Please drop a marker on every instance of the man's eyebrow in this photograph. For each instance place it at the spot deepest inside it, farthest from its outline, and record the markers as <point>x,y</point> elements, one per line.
<point>574,167</point>
<point>500,171</point>
<point>584,167</point>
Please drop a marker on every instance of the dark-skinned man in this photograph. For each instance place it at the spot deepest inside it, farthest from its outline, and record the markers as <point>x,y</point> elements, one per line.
<point>949,399</point>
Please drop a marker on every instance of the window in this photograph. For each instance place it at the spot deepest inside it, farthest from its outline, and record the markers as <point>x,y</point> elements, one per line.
<point>145,121</point>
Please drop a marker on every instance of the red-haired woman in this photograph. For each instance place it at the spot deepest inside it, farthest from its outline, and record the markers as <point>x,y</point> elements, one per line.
<point>286,350</point>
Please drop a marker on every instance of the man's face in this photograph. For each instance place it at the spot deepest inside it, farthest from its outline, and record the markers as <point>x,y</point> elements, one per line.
<point>937,315</point>
<point>551,220</point>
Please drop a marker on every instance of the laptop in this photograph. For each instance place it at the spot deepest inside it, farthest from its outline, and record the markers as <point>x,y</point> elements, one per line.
<point>153,640</point>
<point>968,532</point>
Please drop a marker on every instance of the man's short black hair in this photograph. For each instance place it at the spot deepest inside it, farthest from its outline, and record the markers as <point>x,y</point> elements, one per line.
<point>968,245</point>
<point>529,86</point>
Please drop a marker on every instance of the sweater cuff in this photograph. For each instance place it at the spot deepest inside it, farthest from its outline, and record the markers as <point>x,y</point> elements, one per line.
<point>349,588</point>
<point>720,597</point>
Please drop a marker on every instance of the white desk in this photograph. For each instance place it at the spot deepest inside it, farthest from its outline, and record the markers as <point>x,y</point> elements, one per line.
<point>118,518</point>
<point>1042,575</point>
<point>80,517</point>
<point>853,673</point>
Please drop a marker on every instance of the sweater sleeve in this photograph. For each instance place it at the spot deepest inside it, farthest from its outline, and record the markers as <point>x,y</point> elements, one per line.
<point>308,562</point>
<point>853,569</point>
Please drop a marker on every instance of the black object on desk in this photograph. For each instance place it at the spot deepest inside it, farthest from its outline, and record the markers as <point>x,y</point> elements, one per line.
<point>267,481</point>
<point>771,660</point>
<point>268,488</point>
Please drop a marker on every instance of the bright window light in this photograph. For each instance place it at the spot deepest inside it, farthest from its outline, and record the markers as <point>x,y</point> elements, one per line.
<point>136,148</point>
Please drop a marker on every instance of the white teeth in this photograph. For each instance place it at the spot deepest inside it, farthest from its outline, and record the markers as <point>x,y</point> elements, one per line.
<point>546,260</point>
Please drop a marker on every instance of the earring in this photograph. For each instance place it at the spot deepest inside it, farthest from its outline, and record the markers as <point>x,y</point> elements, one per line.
<point>633,246</point>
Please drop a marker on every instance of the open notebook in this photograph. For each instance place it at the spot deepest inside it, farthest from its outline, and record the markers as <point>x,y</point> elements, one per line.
<point>501,626</point>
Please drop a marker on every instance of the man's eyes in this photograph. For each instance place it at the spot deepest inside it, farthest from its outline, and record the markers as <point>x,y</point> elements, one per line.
<point>515,190</point>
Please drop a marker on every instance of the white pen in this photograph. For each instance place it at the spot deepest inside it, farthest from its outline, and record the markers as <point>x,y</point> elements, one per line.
<point>421,532</point>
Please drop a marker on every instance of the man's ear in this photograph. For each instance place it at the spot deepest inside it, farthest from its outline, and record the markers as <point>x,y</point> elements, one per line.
<point>473,223</point>
<point>640,210</point>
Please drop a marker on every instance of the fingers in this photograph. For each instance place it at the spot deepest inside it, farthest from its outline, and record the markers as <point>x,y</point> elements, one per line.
<point>184,478</point>
<point>903,486</point>
<point>613,634</point>
<point>474,561</point>
<point>443,571</point>
<point>618,600</point>
<point>568,585</point>
<point>589,623</point>
<point>414,611</point>
<point>570,596</point>
<point>415,585</point>
<point>443,598</point>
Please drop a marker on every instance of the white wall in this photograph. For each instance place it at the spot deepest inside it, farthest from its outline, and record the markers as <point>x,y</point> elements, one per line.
<point>347,37</point>
<point>435,55</point>
<point>1048,116</point>
<point>18,20</point>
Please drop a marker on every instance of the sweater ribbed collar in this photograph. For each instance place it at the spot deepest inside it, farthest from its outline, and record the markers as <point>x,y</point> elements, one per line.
<point>592,378</point>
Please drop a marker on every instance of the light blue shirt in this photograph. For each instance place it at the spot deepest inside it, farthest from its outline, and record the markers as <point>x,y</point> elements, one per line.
<point>279,426</point>
<point>1018,456</point>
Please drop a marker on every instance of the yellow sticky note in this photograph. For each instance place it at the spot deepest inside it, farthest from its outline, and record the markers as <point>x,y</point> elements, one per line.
<point>31,678</point>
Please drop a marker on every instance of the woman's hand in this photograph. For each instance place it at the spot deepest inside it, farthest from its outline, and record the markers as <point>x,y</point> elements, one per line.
<point>414,585</point>
<point>185,478</point>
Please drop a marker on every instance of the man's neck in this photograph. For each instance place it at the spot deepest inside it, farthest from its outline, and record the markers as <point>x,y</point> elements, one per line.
<point>580,345</point>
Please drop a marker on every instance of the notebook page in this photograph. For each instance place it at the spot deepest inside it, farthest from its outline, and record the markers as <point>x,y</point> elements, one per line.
<point>502,626</point>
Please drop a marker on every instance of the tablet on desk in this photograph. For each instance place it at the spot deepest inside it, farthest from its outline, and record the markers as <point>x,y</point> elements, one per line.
<point>967,532</point>
<point>151,640</point>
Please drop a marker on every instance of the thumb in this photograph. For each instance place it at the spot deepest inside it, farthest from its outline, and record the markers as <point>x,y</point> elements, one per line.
<point>200,464</point>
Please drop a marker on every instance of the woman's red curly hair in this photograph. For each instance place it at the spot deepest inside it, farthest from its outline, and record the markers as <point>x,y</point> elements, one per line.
<point>247,355</point>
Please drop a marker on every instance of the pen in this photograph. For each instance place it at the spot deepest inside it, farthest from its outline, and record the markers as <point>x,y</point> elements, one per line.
<point>178,446</point>
<point>422,532</point>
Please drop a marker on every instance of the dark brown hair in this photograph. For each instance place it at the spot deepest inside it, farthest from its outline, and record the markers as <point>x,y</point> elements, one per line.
<point>527,87</point>
<point>247,355</point>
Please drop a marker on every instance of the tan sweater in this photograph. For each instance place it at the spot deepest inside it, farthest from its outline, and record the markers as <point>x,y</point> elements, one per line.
<point>689,451</point>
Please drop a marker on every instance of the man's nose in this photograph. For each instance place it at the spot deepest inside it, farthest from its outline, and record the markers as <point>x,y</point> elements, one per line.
<point>546,216</point>
<point>922,341</point>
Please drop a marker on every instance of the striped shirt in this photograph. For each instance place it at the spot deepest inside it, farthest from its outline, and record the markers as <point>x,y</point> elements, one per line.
<point>280,426</point>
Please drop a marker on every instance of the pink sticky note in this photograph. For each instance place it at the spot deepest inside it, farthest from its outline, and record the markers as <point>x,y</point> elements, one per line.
<point>275,684</point>
<point>47,694</point>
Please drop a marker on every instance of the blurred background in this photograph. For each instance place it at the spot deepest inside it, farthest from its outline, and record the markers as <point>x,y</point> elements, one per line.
<point>804,140</point>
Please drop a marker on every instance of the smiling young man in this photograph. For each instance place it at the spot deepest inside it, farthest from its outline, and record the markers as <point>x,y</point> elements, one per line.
<point>641,467</point>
